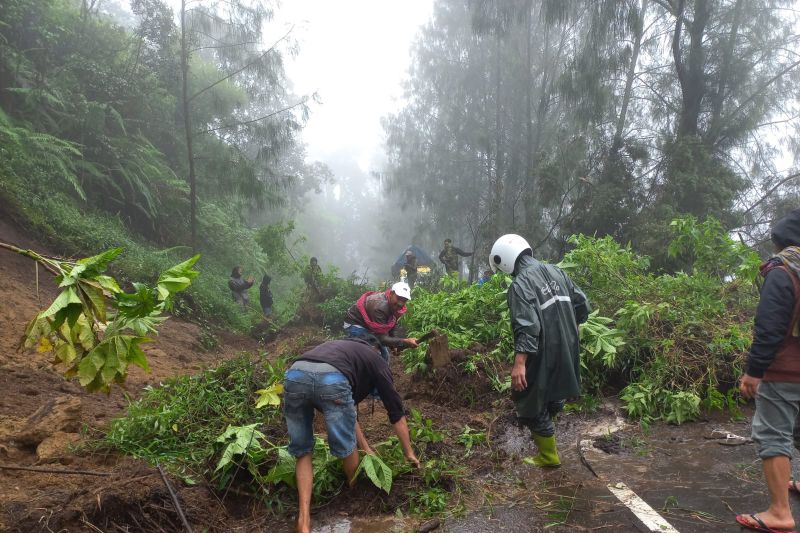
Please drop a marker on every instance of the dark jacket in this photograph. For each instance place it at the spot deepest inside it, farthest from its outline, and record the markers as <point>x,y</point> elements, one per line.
<point>546,308</point>
<point>364,369</point>
<point>450,258</point>
<point>265,295</point>
<point>377,306</point>
<point>772,338</point>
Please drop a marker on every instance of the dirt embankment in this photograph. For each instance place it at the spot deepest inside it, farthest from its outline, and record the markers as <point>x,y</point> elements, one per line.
<point>42,413</point>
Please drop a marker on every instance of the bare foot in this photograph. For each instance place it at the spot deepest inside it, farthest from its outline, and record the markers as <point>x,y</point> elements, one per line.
<point>794,486</point>
<point>768,519</point>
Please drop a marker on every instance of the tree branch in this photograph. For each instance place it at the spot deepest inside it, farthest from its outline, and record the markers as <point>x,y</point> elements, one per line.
<point>44,261</point>
<point>237,124</point>
<point>246,66</point>
<point>772,190</point>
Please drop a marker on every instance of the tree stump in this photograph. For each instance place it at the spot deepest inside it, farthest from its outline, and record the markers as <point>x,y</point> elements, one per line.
<point>440,351</point>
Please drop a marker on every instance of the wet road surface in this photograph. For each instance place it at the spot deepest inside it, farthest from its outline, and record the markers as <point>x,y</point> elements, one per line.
<point>692,481</point>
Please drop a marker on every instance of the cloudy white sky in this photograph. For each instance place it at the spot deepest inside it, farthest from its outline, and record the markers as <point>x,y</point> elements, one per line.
<point>354,54</point>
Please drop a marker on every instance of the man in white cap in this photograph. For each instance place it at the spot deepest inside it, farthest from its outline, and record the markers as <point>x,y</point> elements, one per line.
<point>546,308</point>
<point>377,313</point>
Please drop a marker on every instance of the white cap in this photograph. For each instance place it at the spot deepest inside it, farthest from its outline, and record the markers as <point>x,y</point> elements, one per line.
<point>402,289</point>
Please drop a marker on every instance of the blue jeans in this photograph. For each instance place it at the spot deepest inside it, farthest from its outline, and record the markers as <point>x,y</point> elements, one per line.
<point>328,392</point>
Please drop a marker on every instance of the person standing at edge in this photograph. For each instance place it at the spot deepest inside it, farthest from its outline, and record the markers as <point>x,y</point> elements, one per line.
<point>546,308</point>
<point>333,378</point>
<point>239,286</point>
<point>377,313</point>
<point>449,256</point>
<point>265,296</point>
<point>773,374</point>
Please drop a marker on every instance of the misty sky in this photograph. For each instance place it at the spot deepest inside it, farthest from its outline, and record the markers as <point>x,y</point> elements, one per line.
<point>355,55</point>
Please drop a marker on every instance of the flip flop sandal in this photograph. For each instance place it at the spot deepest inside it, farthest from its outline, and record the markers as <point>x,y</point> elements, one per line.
<point>761,525</point>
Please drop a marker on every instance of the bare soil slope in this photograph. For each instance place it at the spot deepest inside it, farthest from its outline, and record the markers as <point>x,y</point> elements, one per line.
<point>41,413</point>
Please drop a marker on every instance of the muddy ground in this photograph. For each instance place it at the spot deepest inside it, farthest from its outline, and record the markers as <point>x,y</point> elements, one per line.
<point>693,478</point>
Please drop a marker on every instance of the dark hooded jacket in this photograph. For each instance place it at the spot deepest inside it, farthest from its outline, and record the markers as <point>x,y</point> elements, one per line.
<point>776,306</point>
<point>546,308</point>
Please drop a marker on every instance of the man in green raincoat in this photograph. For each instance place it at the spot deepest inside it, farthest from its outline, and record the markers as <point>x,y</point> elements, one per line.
<point>546,308</point>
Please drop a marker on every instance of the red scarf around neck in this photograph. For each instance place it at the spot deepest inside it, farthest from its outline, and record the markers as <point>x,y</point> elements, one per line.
<point>376,327</point>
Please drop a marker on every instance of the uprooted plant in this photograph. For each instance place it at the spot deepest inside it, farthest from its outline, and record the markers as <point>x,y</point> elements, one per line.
<point>96,343</point>
<point>224,427</point>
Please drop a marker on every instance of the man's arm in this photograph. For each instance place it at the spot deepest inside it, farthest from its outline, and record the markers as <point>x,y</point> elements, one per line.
<point>401,430</point>
<point>462,253</point>
<point>361,440</point>
<point>441,256</point>
<point>518,380</point>
<point>524,320</point>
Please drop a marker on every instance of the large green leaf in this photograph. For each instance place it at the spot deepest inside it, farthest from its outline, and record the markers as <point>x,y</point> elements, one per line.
<point>94,265</point>
<point>237,440</point>
<point>284,469</point>
<point>377,471</point>
<point>176,278</point>
<point>67,297</point>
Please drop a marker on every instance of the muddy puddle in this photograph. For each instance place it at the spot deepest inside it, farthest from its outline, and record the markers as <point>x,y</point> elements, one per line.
<point>692,477</point>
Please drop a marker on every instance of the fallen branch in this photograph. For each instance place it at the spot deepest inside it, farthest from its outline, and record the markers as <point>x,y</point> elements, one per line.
<point>31,255</point>
<point>54,470</point>
<point>583,457</point>
<point>175,500</point>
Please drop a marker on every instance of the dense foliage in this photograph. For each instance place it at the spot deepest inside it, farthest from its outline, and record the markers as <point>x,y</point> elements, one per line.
<point>92,138</point>
<point>224,426</point>
<point>671,342</point>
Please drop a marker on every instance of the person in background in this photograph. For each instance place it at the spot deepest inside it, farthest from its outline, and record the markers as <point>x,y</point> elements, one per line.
<point>411,268</point>
<point>238,286</point>
<point>265,296</point>
<point>772,376</point>
<point>546,308</point>
<point>486,276</point>
<point>313,276</point>
<point>377,313</point>
<point>449,256</point>
<point>333,378</point>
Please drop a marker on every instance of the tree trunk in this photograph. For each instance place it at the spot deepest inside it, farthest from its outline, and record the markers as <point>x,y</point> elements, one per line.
<point>187,124</point>
<point>691,75</point>
<point>497,201</point>
<point>626,96</point>
<point>718,97</point>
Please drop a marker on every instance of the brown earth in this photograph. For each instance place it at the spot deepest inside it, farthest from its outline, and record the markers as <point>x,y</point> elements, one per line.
<point>42,414</point>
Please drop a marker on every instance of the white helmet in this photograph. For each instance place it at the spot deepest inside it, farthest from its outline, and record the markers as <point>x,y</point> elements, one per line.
<point>505,251</point>
<point>402,289</point>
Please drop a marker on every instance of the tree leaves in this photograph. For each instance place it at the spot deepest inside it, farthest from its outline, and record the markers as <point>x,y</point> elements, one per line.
<point>93,343</point>
<point>237,440</point>
<point>269,396</point>
<point>377,472</point>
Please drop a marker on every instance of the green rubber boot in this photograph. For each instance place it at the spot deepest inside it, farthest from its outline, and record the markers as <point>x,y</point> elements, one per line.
<point>548,454</point>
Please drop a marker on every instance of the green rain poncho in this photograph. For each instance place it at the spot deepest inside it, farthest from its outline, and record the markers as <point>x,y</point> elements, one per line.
<point>546,308</point>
